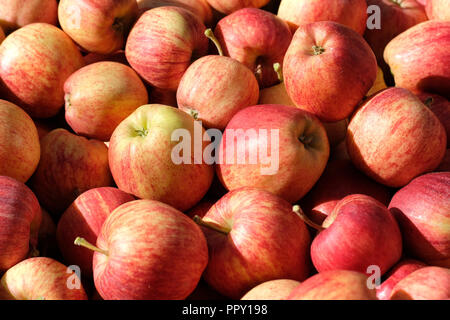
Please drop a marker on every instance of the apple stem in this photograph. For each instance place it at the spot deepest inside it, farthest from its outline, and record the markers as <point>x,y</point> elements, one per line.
<point>277,68</point>
<point>84,243</point>
<point>305,218</point>
<point>210,35</point>
<point>198,220</point>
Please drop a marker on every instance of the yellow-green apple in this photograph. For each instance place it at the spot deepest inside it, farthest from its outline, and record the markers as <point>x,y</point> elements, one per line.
<point>163,43</point>
<point>20,218</point>
<point>272,290</point>
<point>428,283</point>
<point>33,75</point>
<point>100,96</point>
<point>334,285</point>
<point>379,83</point>
<point>418,58</point>
<point>256,38</point>
<point>148,250</point>
<point>98,26</point>
<point>19,142</point>
<point>438,10</point>
<point>359,233</point>
<point>145,159</point>
<point>273,147</point>
<point>84,218</point>
<point>41,278</point>
<point>118,56</point>
<point>247,232</point>
<point>328,69</point>
<point>351,13</point>
<point>422,209</point>
<point>229,6</point>
<point>47,246</point>
<point>69,166</point>
<point>15,14</point>
<point>397,273</point>
<point>394,138</point>
<point>339,180</point>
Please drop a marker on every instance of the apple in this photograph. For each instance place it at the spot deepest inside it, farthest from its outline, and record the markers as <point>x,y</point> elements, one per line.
<point>84,218</point>
<point>428,283</point>
<point>334,285</point>
<point>395,275</point>
<point>20,218</point>
<point>359,233</point>
<point>298,145</point>
<point>248,231</point>
<point>230,6</point>
<point>19,142</point>
<point>272,290</point>
<point>419,60</point>
<point>379,83</point>
<point>69,166</point>
<point>100,96</point>
<point>394,138</point>
<point>422,209</point>
<point>35,61</point>
<point>15,14</point>
<point>142,161</point>
<point>351,13</point>
<point>148,250</point>
<point>438,10</point>
<point>163,43</point>
<point>98,26</point>
<point>41,278</point>
<point>256,38</point>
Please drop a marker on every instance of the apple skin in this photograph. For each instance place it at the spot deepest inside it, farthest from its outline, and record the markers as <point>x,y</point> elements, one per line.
<point>155,253</point>
<point>140,158</point>
<point>229,6</point>
<point>360,232</point>
<point>334,285</point>
<point>419,60</point>
<point>215,88</point>
<point>261,225</point>
<point>15,14</point>
<point>19,142</point>
<point>438,10</point>
<point>163,43</point>
<point>298,161</point>
<point>69,166</point>
<point>347,63</point>
<point>395,275</point>
<point>257,39</point>
<point>33,76</point>
<point>428,283</point>
<point>422,209</point>
<point>394,137</point>
<point>100,96</point>
<point>84,218</point>
<point>272,290</point>
<point>20,218</point>
<point>98,26</point>
<point>39,278</point>
<point>351,13</point>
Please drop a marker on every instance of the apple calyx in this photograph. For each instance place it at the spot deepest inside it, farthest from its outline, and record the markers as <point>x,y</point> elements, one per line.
<point>84,243</point>
<point>141,132</point>
<point>198,220</point>
<point>210,35</point>
<point>277,68</point>
<point>429,101</point>
<point>118,25</point>
<point>317,50</point>
<point>306,140</point>
<point>297,210</point>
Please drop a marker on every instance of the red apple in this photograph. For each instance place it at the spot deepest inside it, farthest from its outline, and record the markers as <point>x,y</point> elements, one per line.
<point>41,278</point>
<point>298,145</point>
<point>148,250</point>
<point>330,51</point>
<point>438,10</point>
<point>84,218</point>
<point>394,137</point>
<point>229,6</point>
<point>256,38</point>
<point>418,58</point>
<point>422,209</point>
<point>334,285</point>
<point>69,166</point>
<point>20,218</point>
<point>248,231</point>
<point>163,43</point>
<point>272,290</point>
<point>98,26</point>
<point>35,61</point>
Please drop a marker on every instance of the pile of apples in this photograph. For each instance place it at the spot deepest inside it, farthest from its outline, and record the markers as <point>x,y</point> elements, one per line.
<point>92,205</point>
